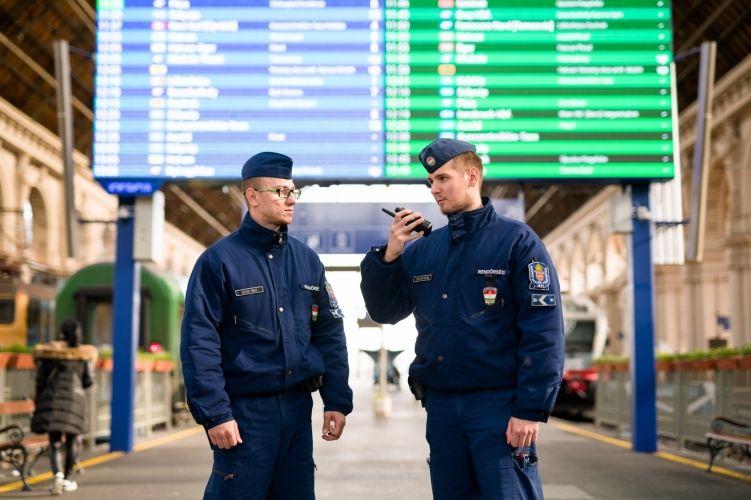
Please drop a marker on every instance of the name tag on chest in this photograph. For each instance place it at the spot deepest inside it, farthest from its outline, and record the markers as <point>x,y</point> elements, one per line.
<point>248,291</point>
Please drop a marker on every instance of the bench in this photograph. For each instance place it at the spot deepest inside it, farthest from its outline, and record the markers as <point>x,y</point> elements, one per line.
<point>728,433</point>
<point>15,446</point>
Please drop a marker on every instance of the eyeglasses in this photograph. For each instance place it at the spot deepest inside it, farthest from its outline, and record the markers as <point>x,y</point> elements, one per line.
<point>282,192</point>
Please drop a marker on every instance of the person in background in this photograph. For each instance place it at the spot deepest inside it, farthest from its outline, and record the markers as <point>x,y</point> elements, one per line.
<point>490,345</point>
<point>62,373</point>
<point>262,330</point>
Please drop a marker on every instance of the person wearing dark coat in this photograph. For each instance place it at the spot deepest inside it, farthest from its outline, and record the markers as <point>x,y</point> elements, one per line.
<point>263,330</point>
<point>489,349</point>
<point>62,374</point>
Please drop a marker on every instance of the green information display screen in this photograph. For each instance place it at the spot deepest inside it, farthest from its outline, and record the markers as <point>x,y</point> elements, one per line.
<point>566,89</point>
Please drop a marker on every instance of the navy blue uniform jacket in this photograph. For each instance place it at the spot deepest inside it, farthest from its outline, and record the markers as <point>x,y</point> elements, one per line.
<point>260,318</point>
<point>487,308</point>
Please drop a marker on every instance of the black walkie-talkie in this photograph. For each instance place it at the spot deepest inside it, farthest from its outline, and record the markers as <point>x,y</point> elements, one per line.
<point>426,227</point>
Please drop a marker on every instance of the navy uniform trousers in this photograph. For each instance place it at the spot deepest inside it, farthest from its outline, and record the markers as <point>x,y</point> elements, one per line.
<point>275,459</point>
<point>469,456</point>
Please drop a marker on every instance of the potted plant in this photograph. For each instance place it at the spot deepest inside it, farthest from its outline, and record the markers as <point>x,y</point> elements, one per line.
<point>163,362</point>
<point>696,360</point>
<point>607,364</point>
<point>665,362</point>
<point>726,358</point>
<point>744,361</point>
<point>145,361</point>
<point>104,361</point>
<point>19,357</point>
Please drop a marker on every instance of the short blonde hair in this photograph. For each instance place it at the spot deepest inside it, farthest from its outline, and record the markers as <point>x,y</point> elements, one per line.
<point>464,161</point>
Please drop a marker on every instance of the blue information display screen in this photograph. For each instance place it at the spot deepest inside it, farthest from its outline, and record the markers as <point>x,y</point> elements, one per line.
<point>353,89</point>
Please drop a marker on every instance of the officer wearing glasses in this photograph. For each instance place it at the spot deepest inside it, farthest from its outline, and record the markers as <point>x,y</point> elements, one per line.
<point>262,330</point>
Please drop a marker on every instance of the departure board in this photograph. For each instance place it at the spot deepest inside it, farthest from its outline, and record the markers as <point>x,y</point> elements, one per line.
<point>352,90</point>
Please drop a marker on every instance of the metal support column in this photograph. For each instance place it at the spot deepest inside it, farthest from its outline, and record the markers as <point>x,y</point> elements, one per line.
<point>643,392</point>
<point>127,307</point>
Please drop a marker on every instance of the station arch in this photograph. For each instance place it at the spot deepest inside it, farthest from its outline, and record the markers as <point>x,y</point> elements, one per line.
<point>35,224</point>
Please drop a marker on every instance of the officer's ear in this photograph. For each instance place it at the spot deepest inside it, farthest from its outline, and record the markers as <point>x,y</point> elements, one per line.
<point>250,194</point>
<point>247,193</point>
<point>473,176</point>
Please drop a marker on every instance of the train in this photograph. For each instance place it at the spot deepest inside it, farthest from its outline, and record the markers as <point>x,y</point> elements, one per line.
<point>87,297</point>
<point>586,334</point>
<point>27,314</point>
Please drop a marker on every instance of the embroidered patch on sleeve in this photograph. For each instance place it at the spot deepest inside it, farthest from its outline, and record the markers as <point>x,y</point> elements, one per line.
<point>336,313</point>
<point>332,296</point>
<point>543,299</point>
<point>539,276</point>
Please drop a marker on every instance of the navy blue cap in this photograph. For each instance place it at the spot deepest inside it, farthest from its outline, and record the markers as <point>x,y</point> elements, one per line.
<point>440,151</point>
<point>268,164</point>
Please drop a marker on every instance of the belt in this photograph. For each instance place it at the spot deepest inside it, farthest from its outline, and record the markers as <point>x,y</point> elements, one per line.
<point>306,386</point>
<point>458,392</point>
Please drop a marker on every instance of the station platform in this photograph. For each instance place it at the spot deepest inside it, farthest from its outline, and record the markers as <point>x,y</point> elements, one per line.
<point>384,458</point>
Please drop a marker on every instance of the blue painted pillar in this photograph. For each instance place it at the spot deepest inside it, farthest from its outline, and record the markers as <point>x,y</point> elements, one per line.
<point>643,393</point>
<point>127,307</point>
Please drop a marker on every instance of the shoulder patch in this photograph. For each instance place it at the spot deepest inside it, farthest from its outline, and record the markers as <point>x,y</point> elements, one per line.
<point>539,276</point>
<point>336,313</point>
<point>543,299</point>
<point>332,296</point>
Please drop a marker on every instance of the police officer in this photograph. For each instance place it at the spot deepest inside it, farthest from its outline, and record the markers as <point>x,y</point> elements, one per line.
<point>262,329</point>
<point>489,350</point>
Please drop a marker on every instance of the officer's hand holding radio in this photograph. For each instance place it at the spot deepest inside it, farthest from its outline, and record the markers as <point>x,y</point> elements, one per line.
<point>407,226</point>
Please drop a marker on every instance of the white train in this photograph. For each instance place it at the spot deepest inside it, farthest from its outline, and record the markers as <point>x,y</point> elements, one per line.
<point>586,332</point>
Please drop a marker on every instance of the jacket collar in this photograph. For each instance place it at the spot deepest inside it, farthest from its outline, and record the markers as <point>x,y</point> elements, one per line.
<point>472,221</point>
<point>259,237</point>
<point>60,350</point>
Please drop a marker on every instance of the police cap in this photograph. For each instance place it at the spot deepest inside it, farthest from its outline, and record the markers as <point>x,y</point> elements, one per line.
<point>268,164</point>
<point>440,151</point>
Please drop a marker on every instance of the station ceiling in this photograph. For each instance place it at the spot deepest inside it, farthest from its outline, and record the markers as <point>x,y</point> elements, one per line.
<point>28,29</point>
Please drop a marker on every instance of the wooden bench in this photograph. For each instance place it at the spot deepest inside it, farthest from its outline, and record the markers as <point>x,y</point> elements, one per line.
<point>16,448</point>
<point>728,433</point>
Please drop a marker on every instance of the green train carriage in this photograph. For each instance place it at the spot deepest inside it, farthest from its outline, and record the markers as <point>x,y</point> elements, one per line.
<point>87,296</point>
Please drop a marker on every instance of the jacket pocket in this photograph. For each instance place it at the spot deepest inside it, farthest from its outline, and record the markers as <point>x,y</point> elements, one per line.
<point>246,325</point>
<point>488,310</point>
